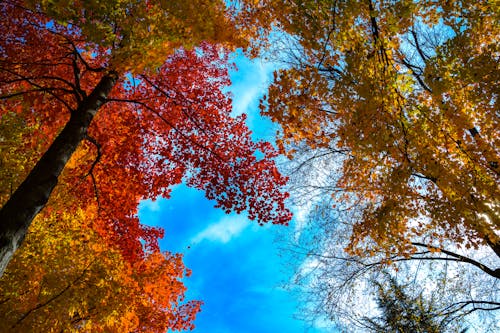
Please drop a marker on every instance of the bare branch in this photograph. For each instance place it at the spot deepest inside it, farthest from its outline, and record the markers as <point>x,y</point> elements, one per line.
<point>458,257</point>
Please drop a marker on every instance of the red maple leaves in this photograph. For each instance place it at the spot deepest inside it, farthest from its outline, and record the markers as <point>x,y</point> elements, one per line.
<point>152,131</point>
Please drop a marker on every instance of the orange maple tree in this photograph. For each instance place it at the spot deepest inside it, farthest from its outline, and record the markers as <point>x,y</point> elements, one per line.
<point>66,277</point>
<point>115,103</point>
<point>144,125</point>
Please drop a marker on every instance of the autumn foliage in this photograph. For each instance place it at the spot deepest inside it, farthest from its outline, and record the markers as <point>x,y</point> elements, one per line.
<point>67,277</point>
<point>115,104</point>
<point>107,103</point>
<point>389,114</point>
<point>405,96</point>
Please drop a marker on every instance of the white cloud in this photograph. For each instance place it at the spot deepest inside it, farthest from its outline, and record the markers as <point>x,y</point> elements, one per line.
<point>250,84</point>
<point>151,212</point>
<point>245,96</point>
<point>153,206</point>
<point>222,231</point>
<point>309,265</point>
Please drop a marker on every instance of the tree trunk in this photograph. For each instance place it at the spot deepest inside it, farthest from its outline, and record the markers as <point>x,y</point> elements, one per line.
<point>32,195</point>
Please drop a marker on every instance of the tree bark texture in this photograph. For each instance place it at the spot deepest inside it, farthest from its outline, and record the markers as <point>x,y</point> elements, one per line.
<point>32,195</point>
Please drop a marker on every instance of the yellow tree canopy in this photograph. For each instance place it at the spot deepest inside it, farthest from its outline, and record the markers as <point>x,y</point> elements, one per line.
<point>408,92</point>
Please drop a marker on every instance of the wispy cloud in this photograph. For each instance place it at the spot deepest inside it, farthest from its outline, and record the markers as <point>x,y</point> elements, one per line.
<point>150,211</point>
<point>222,231</point>
<point>153,206</point>
<point>245,97</point>
<point>250,83</point>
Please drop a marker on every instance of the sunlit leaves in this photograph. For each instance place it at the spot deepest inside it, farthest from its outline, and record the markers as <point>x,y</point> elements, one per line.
<point>68,278</point>
<point>410,91</point>
<point>141,33</point>
<point>88,263</point>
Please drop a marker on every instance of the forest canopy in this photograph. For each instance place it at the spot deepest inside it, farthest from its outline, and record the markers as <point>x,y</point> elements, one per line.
<point>105,104</point>
<point>388,115</point>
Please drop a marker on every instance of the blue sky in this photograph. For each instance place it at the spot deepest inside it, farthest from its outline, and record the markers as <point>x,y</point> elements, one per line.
<point>237,270</point>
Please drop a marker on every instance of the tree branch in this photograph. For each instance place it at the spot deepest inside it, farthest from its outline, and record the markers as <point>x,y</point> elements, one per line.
<point>420,51</point>
<point>54,297</point>
<point>458,257</point>
<point>28,80</point>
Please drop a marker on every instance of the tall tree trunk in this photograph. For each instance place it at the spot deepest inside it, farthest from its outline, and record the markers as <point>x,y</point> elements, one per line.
<point>32,195</point>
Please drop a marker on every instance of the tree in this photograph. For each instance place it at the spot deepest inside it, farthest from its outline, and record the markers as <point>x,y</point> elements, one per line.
<point>66,277</point>
<point>407,91</point>
<point>402,313</point>
<point>112,79</point>
<point>341,289</point>
<point>401,98</point>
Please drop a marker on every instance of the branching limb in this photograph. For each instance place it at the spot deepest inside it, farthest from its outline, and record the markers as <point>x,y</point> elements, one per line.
<point>457,307</point>
<point>420,51</point>
<point>416,75</point>
<point>45,89</point>
<point>460,258</point>
<point>54,297</point>
<point>25,92</point>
